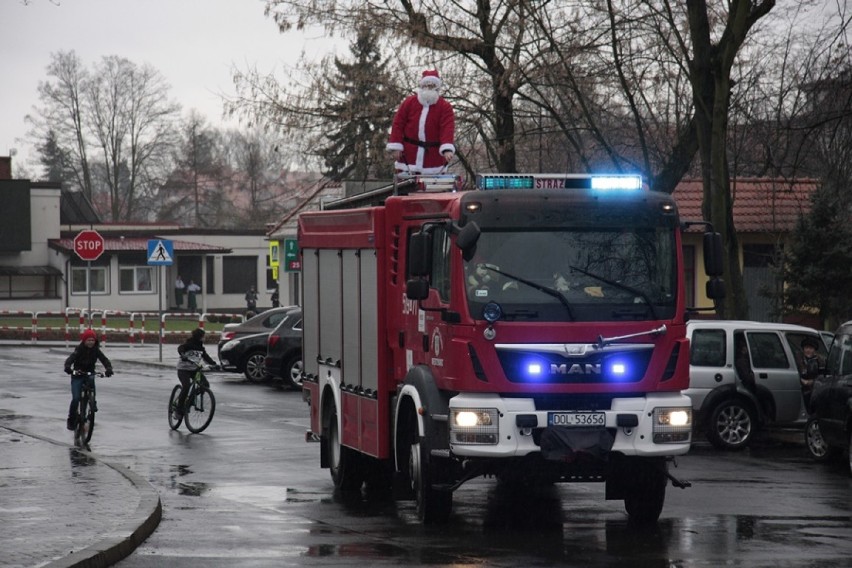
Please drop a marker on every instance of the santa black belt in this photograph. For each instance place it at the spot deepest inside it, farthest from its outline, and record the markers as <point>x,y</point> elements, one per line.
<point>421,143</point>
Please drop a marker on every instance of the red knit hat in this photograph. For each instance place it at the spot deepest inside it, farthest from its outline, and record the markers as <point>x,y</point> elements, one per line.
<point>87,333</point>
<point>431,76</point>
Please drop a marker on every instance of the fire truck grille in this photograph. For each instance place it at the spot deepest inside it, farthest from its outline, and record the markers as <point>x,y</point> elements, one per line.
<point>611,367</point>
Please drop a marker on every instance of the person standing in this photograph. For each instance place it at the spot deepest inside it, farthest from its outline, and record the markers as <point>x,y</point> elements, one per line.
<point>80,364</point>
<point>251,301</point>
<point>191,291</point>
<point>423,130</point>
<point>275,299</point>
<point>179,290</point>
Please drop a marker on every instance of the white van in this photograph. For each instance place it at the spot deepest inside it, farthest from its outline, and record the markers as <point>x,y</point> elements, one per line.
<point>728,411</point>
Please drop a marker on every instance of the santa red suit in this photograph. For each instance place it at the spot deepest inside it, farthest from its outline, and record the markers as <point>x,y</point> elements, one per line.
<point>423,129</point>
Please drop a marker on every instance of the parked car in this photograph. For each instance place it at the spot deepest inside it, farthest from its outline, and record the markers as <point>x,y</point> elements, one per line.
<point>829,430</point>
<point>726,410</point>
<point>263,322</point>
<point>245,355</point>
<point>284,350</point>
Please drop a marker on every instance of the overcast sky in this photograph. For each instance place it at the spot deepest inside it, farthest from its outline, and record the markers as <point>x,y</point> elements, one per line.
<point>193,43</point>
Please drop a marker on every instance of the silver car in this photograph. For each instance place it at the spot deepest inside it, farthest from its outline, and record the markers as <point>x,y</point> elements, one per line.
<point>729,412</point>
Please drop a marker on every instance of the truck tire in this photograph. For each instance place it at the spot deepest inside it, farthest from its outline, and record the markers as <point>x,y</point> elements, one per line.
<point>645,498</point>
<point>346,471</point>
<point>732,425</point>
<point>817,448</point>
<point>433,505</point>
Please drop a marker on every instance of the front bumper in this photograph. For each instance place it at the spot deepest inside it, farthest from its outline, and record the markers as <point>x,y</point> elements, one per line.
<point>632,427</point>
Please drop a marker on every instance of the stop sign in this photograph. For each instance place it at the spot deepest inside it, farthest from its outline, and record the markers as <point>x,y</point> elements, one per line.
<point>89,244</point>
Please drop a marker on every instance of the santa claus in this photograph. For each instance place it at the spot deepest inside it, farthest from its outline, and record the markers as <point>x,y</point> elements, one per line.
<point>422,134</point>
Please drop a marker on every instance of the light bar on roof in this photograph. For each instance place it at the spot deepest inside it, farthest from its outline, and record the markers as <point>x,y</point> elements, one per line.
<point>559,181</point>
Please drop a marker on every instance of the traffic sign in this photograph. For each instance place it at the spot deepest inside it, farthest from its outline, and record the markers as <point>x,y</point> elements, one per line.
<point>89,244</point>
<point>291,256</point>
<point>161,252</point>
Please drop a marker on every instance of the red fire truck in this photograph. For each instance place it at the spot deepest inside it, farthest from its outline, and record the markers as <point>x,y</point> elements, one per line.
<point>532,329</point>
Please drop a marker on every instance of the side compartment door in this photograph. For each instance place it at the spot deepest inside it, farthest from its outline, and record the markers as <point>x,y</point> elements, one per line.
<point>775,371</point>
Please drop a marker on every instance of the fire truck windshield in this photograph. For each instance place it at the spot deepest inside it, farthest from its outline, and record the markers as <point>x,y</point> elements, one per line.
<point>574,275</point>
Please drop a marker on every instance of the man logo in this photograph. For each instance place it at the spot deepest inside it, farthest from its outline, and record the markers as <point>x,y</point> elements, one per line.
<point>575,369</point>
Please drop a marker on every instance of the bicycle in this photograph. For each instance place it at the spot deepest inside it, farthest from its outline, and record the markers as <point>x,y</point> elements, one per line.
<point>85,412</point>
<point>199,406</point>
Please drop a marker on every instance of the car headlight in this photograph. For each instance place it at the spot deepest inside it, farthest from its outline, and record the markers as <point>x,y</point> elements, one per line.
<point>672,425</point>
<point>474,426</point>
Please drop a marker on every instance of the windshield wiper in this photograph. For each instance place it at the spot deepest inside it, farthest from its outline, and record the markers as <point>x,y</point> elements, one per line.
<point>549,291</point>
<point>615,284</point>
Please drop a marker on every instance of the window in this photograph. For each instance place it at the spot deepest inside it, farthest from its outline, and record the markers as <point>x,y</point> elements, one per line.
<point>708,348</point>
<point>846,355</point>
<point>767,352</point>
<point>689,274</point>
<point>441,263</point>
<point>97,281</point>
<point>238,274</point>
<point>136,279</point>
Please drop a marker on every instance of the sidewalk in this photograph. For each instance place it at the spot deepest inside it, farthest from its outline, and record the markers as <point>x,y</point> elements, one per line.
<point>60,507</point>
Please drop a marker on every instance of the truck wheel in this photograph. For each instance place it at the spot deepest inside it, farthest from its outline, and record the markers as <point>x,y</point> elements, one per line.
<point>433,506</point>
<point>817,448</point>
<point>732,425</point>
<point>345,466</point>
<point>647,494</point>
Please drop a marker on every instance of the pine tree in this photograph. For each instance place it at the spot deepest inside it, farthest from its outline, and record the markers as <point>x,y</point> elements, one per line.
<point>360,110</point>
<point>818,269</point>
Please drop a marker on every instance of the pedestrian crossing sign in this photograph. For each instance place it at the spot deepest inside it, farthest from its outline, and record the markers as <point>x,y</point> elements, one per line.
<point>161,252</point>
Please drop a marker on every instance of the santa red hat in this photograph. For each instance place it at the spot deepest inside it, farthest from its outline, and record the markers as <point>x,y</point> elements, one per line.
<point>87,333</point>
<point>431,76</point>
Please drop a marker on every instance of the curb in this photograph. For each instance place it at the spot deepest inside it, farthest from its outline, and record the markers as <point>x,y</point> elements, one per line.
<point>124,538</point>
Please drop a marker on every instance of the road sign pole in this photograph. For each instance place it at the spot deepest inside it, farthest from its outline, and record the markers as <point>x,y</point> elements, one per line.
<point>89,290</point>
<point>160,313</point>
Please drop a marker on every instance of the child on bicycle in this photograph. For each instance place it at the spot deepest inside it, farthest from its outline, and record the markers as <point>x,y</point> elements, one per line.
<point>80,364</point>
<point>191,354</point>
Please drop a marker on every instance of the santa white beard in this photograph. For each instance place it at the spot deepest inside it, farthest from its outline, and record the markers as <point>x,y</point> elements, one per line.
<point>428,97</point>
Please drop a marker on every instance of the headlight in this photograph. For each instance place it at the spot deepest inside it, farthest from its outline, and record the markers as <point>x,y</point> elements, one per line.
<point>672,425</point>
<point>474,426</point>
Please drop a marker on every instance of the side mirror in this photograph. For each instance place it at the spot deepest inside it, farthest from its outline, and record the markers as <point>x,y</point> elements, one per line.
<point>416,289</point>
<point>420,254</point>
<point>713,257</point>
<point>468,235</point>
<point>715,288</point>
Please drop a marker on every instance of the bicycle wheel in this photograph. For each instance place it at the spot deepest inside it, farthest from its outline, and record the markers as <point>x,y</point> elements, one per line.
<point>200,406</point>
<point>90,422</point>
<point>174,422</point>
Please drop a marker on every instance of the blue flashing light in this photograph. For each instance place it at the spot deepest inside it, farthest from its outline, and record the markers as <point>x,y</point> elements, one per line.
<point>534,369</point>
<point>618,183</point>
<point>504,182</point>
<point>559,181</point>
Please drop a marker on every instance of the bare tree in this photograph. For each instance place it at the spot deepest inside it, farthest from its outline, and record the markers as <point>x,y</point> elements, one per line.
<point>133,123</point>
<point>113,128</point>
<point>61,120</point>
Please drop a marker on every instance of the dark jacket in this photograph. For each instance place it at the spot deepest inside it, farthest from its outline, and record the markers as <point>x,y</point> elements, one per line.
<point>83,359</point>
<point>192,351</point>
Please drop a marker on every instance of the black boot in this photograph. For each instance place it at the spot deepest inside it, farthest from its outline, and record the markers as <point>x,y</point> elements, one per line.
<point>71,423</point>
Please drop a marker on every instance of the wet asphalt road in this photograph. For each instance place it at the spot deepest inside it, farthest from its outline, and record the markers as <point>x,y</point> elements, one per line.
<point>249,492</point>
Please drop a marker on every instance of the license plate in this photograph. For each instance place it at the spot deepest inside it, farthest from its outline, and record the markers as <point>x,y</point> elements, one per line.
<point>576,419</point>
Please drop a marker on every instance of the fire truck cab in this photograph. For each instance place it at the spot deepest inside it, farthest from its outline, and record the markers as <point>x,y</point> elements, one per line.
<point>532,329</point>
